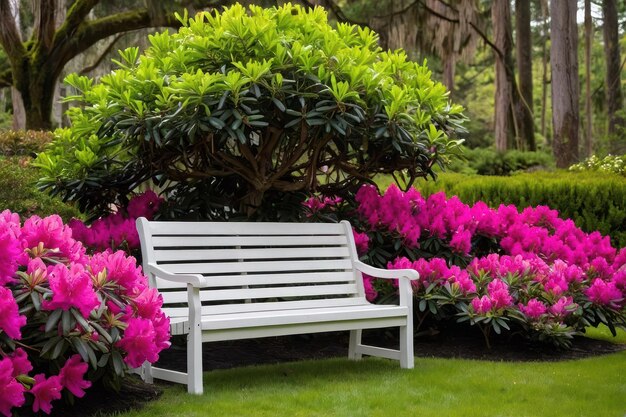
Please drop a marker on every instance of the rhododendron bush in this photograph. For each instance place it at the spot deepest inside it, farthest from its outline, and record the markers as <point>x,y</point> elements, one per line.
<point>499,269</point>
<point>66,318</point>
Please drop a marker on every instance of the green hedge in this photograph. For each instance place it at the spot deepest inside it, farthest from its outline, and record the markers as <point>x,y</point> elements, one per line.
<point>18,192</point>
<point>595,201</point>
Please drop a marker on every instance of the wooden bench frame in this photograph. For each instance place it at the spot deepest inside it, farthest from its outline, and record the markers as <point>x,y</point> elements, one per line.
<point>171,260</point>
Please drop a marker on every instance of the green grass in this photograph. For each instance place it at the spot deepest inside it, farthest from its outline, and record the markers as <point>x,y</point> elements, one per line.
<point>603,333</point>
<point>436,387</point>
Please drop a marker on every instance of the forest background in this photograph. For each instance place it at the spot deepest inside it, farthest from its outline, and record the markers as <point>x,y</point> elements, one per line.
<point>533,75</point>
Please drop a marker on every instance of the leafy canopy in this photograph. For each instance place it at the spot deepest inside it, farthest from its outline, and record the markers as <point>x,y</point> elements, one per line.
<point>244,106</point>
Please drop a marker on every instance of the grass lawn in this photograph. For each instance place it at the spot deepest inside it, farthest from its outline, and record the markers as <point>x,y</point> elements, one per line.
<point>436,387</point>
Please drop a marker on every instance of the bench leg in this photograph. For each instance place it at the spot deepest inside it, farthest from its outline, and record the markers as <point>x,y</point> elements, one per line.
<point>194,364</point>
<point>146,373</point>
<point>355,340</point>
<point>407,360</point>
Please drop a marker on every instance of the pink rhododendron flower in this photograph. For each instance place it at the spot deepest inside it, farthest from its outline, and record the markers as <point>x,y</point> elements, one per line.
<point>72,375</point>
<point>499,294</point>
<point>148,303</point>
<point>144,205</point>
<point>121,269</point>
<point>54,235</point>
<point>562,307</point>
<point>21,364</point>
<point>461,241</point>
<point>463,280</point>
<point>71,288</point>
<point>362,241</point>
<point>139,342</point>
<point>482,305</point>
<point>10,251</point>
<point>11,391</point>
<point>10,319</point>
<point>161,324</point>
<point>603,293</point>
<point>370,291</point>
<point>533,309</point>
<point>45,391</point>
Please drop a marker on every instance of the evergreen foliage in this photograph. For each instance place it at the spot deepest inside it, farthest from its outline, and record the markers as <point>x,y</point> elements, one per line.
<point>243,108</point>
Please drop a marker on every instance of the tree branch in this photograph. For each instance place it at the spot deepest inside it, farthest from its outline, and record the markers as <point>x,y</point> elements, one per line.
<point>10,37</point>
<point>44,29</point>
<point>88,33</point>
<point>93,66</point>
<point>6,78</point>
<point>76,15</point>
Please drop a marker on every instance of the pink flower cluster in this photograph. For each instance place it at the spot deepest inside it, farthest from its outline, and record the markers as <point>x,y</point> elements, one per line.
<point>117,230</point>
<point>315,204</point>
<point>13,369</point>
<point>42,262</point>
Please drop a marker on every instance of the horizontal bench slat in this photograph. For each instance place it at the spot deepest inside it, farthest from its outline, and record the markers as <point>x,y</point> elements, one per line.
<point>274,318</point>
<point>244,228</point>
<point>260,293</point>
<point>267,306</point>
<point>245,241</point>
<point>268,266</point>
<point>235,254</point>
<point>264,279</point>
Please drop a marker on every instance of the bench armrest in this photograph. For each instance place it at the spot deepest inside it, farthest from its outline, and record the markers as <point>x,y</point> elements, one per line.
<point>194,280</point>
<point>409,274</point>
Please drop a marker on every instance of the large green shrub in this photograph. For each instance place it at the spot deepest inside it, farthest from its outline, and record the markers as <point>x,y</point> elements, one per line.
<point>595,201</point>
<point>243,108</point>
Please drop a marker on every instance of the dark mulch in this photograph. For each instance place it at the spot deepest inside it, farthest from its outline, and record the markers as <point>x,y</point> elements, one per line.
<point>230,354</point>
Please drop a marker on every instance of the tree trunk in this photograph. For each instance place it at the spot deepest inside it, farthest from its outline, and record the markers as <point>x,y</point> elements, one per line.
<point>588,148</point>
<point>613,85</point>
<point>544,66</point>
<point>501,15</point>
<point>565,90</point>
<point>523,44</point>
<point>449,67</point>
<point>19,113</point>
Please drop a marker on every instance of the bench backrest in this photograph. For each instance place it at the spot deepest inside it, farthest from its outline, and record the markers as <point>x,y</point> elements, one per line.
<point>254,266</point>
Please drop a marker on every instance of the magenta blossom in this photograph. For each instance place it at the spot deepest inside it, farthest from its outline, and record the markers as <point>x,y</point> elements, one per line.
<point>144,205</point>
<point>45,391</point>
<point>499,293</point>
<point>139,342</point>
<point>563,307</point>
<point>10,251</point>
<point>21,364</point>
<point>533,309</point>
<point>482,305</point>
<point>370,291</point>
<point>362,241</point>
<point>54,235</point>
<point>72,375</point>
<point>10,319</point>
<point>603,293</point>
<point>71,288</point>
<point>121,269</point>
<point>11,392</point>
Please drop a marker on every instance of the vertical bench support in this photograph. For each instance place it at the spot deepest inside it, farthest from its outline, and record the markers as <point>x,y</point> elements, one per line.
<point>407,360</point>
<point>194,342</point>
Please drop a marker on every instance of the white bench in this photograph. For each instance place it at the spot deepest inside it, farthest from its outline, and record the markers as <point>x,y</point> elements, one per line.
<point>226,281</point>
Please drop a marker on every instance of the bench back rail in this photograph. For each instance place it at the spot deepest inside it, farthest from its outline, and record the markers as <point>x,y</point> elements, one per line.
<point>254,266</point>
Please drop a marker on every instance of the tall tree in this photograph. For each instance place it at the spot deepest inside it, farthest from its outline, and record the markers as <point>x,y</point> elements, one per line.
<point>523,46</point>
<point>613,87</point>
<point>33,66</point>
<point>501,16</point>
<point>588,148</point>
<point>565,89</point>
<point>545,56</point>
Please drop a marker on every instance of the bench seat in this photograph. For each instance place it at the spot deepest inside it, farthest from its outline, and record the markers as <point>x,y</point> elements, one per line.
<point>229,281</point>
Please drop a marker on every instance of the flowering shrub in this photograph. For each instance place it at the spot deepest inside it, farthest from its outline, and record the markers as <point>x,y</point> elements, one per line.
<point>610,163</point>
<point>66,318</point>
<point>118,230</point>
<point>495,268</point>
